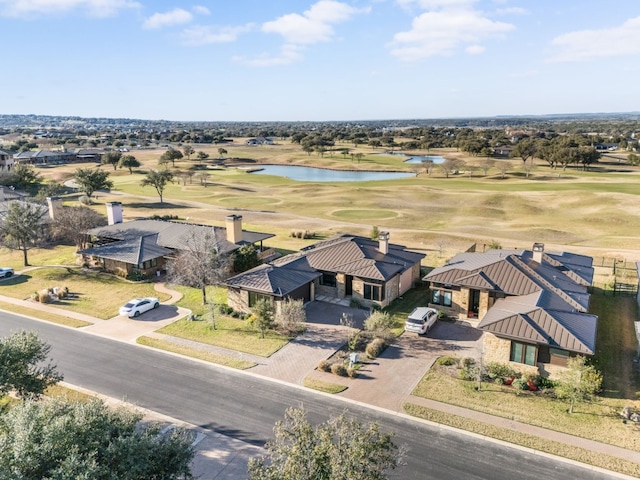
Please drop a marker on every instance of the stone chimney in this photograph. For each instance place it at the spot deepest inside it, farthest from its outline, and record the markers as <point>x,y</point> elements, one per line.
<point>538,250</point>
<point>55,207</point>
<point>234,228</point>
<point>383,245</point>
<point>114,213</point>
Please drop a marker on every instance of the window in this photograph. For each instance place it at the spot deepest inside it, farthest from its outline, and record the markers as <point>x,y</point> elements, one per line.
<point>523,353</point>
<point>255,297</point>
<point>328,279</point>
<point>148,264</point>
<point>441,297</point>
<point>373,292</point>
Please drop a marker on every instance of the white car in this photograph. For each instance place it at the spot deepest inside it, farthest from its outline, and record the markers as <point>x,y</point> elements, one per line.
<point>6,272</point>
<point>137,306</point>
<point>421,320</point>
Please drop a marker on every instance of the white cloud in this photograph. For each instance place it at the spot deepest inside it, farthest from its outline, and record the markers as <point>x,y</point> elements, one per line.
<point>288,54</point>
<point>435,4</point>
<point>442,32</point>
<point>475,49</point>
<point>177,16</point>
<point>201,10</point>
<point>204,35</point>
<point>512,11</point>
<point>586,45</point>
<point>314,25</point>
<point>96,8</point>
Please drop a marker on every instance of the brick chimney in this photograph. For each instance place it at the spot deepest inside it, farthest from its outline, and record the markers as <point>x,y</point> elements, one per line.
<point>234,228</point>
<point>383,242</point>
<point>114,213</point>
<point>55,207</point>
<point>538,250</point>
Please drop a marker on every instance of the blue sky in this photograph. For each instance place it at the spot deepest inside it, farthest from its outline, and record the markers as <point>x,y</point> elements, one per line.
<point>288,60</point>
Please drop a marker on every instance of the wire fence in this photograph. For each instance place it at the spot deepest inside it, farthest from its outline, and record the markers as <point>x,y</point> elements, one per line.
<point>615,276</point>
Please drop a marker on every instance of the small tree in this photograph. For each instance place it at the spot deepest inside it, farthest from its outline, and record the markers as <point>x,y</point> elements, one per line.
<point>130,162</point>
<point>202,155</point>
<point>340,448</point>
<point>263,313</point>
<point>245,258</point>
<point>158,179</point>
<point>188,150</point>
<point>200,262</point>
<point>451,165</point>
<point>222,152</point>
<point>72,224</point>
<point>22,365</point>
<point>291,317</point>
<point>579,382</point>
<point>22,227</point>
<point>91,179</point>
<point>171,155</point>
<point>111,158</point>
<point>379,324</point>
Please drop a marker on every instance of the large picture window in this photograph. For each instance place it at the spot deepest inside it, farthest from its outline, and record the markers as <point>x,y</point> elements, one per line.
<point>328,279</point>
<point>441,297</point>
<point>256,297</point>
<point>523,353</point>
<point>373,292</point>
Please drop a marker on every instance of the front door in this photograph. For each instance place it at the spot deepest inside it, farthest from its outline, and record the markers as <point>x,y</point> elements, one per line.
<point>474,303</point>
<point>348,285</point>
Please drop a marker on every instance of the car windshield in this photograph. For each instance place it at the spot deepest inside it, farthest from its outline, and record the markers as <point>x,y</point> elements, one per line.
<point>415,321</point>
<point>129,305</point>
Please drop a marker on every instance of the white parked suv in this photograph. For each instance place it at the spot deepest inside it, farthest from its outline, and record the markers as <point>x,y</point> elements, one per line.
<point>6,272</point>
<point>421,320</point>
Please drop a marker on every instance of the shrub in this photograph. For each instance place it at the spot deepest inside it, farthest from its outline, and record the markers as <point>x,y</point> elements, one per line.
<point>499,380</point>
<point>43,296</point>
<point>339,369</point>
<point>380,324</point>
<point>136,276</point>
<point>355,303</point>
<point>469,370</point>
<point>354,339</point>
<point>545,383</point>
<point>352,372</point>
<point>375,347</point>
<point>520,384</point>
<point>324,365</point>
<point>84,200</point>
<point>446,361</point>
<point>496,370</point>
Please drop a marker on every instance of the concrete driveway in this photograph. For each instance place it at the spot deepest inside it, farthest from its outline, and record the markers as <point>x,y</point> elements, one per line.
<point>325,313</point>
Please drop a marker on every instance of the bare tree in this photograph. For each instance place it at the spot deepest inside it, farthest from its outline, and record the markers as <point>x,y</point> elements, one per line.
<point>203,177</point>
<point>503,167</point>
<point>202,260</point>
<point>486,165</point>
<point>528,165</point>
<point>291,316</point>
<point>427,165</point>
<point>73,223</point>
<point>451,165</point>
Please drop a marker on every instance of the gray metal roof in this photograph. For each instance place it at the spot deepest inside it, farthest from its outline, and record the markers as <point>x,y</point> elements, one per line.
<point>133,251</point>
<point>174,234</point>
<point>360,257</point>
<point>277,279</point>
<point>547,302</point>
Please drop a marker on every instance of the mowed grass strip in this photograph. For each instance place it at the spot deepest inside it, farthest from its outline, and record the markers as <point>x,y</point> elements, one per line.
<point>195,353</point>
<point>530,441</point>
<point>230,333</point>
<point>49,317</point>
<point>92,293</point>
<point>68,393</point>
<point>322,386</point>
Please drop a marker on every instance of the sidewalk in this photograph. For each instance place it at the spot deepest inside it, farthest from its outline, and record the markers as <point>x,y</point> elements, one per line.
<point>386,382</point>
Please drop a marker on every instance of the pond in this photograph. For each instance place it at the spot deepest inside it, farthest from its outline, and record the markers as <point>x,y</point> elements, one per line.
<point>312,174</point>
<point>422,158</point>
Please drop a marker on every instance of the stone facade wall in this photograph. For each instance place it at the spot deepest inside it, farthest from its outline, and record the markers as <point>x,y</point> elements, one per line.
<point>499,350</point>
<point>238,300</point>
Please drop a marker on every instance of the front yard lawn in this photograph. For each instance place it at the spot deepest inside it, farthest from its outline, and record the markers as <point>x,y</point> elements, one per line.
<point>92,293</point>
<point>401,307</point>
<point>232,333</point>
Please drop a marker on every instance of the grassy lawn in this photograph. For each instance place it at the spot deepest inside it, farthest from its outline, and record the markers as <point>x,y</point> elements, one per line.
<point>38,257</point>
<point>195,353</point>
<point>402,307</point>
<point>230,332</point>
<point>49,317</point>
<point>60,391</point>
<point>321,386</point>
<point>530,441</point>
<point>93,293</point>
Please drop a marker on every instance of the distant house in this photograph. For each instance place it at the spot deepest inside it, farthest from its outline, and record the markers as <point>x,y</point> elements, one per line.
<point>532,305</point>
<point>89,155</point>
<point>345,267</point>
<point>6,161</point>
<point>260,141</point>
<point>145,245</point>
<point>44,157</point>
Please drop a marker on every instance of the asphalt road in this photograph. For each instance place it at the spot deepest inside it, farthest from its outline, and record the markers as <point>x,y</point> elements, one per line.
<point>246,407</point>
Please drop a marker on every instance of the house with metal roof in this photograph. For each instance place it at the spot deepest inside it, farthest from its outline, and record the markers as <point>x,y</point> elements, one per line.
<point>532,305</point>
<point>345,267</point>
<point>145,245</point>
